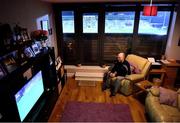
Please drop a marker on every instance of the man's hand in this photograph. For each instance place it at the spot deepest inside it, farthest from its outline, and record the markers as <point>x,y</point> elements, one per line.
<point>112,75</point>
<point>109,72</point>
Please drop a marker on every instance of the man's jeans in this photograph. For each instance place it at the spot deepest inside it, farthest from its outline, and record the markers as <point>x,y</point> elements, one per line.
<point>115,82</point>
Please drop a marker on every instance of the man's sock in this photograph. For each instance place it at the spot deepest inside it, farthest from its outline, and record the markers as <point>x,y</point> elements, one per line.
<point>113,93</point>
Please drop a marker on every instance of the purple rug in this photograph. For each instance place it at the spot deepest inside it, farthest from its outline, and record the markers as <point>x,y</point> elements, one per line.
<point>96,112</point>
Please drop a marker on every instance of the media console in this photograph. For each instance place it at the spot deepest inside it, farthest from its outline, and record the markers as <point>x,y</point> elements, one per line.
<point>34,85</point>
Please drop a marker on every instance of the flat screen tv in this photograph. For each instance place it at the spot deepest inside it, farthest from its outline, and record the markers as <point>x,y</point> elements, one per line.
<point>29,94</point>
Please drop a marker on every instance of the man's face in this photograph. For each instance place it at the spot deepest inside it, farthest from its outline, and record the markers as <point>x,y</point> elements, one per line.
<point>120,57</point>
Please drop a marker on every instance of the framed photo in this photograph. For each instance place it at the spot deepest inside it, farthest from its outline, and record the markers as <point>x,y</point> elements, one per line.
<point>15,54</point>
<point>10,63</point>
<point>24,34</point>
<point>28,52</point>
<point>35,49</point>
<point>39,44</point>
<point>58,60</point>
<point>2,72</point>
<point>27,74</point>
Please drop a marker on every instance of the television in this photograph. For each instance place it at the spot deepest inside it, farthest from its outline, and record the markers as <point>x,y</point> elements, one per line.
<point>29,94</point>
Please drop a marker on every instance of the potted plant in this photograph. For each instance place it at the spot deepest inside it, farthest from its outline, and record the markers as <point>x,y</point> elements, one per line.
<point>103,65</point>
<point>78,63</point>
<point>40,35</point>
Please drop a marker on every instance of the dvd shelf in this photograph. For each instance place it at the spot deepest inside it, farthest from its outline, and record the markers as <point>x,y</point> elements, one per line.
<point>16,73</point>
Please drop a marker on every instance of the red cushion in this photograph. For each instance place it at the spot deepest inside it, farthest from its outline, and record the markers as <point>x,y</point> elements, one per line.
<point>168,97</point>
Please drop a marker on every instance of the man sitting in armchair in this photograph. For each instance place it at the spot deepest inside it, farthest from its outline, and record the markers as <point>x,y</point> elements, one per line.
<point>113,77</point>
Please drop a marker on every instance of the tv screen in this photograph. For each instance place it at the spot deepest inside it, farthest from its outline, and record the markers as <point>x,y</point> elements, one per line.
<point>29,94</point>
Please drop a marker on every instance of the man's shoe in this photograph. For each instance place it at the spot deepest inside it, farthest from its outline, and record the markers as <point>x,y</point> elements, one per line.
<point>104,87</point>
<point>112,94</point>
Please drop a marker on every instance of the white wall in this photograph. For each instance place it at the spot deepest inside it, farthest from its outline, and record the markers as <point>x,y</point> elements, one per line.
<point>25,13</point>
<point>172,48</point>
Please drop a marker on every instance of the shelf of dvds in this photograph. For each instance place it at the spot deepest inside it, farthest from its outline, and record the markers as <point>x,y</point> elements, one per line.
<point>15,77</point>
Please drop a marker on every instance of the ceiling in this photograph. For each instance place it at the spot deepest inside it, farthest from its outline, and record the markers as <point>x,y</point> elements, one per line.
<point>92,1</point>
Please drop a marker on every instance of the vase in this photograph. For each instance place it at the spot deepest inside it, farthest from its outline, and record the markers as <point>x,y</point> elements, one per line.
<point>79,65</point>
<point>43,43</point>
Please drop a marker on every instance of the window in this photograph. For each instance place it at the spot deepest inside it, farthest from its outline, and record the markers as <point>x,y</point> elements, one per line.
<point>44,25</point>
<point>156,25</point>
<point>68,21</point>
<point>119,22</point>
<point>90,23</point>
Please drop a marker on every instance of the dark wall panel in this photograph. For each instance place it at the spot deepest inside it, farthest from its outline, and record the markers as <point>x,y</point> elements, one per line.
<point>112,45</point>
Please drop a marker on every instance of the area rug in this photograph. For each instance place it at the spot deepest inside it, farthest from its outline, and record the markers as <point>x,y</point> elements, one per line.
<point>96,112</point>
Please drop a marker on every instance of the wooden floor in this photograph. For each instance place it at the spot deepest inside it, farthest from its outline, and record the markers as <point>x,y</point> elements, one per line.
<point>72,92</point>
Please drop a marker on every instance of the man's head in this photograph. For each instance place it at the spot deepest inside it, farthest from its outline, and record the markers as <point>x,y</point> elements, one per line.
<point>121,57</point>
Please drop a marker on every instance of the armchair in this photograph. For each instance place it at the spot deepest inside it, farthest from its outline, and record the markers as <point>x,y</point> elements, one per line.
<point>127,84</point>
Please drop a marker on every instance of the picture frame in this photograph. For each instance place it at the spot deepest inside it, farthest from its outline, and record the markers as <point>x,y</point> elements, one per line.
<point>15,54</point>
<point>9,62</point>
<point>24,34</point>
<point>2,72</point>
<point>28,52</point>
<point>39,44</point>
<point>28,74</point>
<point>21,34</point>
<point>18,57</point>
<point>58,60</point>
<point>36,49</point>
